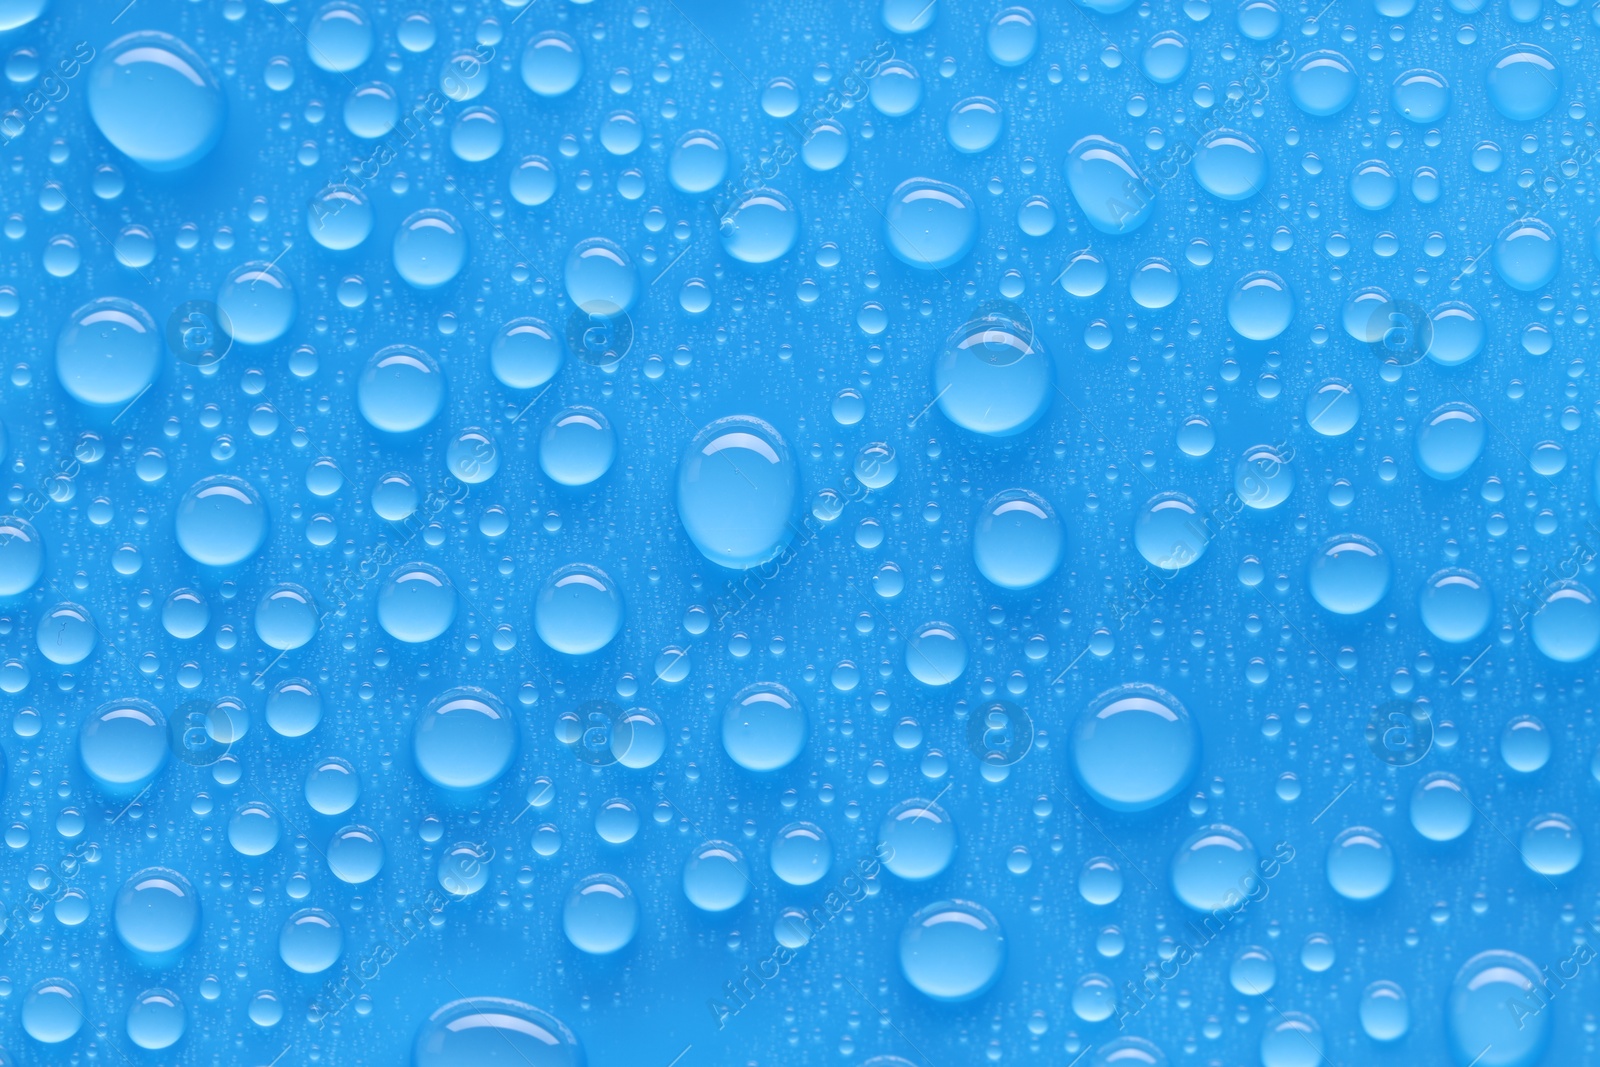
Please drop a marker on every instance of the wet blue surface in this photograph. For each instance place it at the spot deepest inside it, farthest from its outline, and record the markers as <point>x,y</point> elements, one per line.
<point>739,534</point>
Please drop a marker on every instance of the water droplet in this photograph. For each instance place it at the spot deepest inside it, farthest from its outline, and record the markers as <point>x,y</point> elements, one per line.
<point>953,950</point>
<point>1134,747</point>
<point>156,101</point>
<point>464,740</point>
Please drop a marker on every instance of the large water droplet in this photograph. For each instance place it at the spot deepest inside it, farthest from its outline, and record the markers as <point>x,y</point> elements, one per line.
<point>716,877</point>
<point>1450,441</point>
<point>417,603</point>
<point>578,610</point>
<point>465,739</point>
<point>1349,575</point>
<point>764,727</point>
<point>1524,83</point>
<point>953,950</point>
<point>1323,83</point>
<point>1480,1017</point>
<point>994,376</point>
<point>123,744</point>
<point>1018,541</point>
<point>310,941</point>
<point>401,389</point>
<point>157,913</point>
<point>108,353</point>
<point>1360,864</point>
<point>761,227</point>
<point>1214,868</point>
<point>737,491</point>
<point>601,915</point>
<point>1230,165</point>
<point>494,1032</point>
<point>221,521</point>
<point>917,840</point>
<point>156,101</point>
<point>1135,747</point>
<point>930,224</point>
<point>1113,195</point>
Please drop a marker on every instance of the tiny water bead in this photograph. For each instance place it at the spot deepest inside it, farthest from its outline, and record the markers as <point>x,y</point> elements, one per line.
<point>952,951</point>
<point>1134,747</point>
<point>494,1030</point>
<point>465,739</point>
<point>1018,542</point>
<point>737,489</point>
<point>917,840</point>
